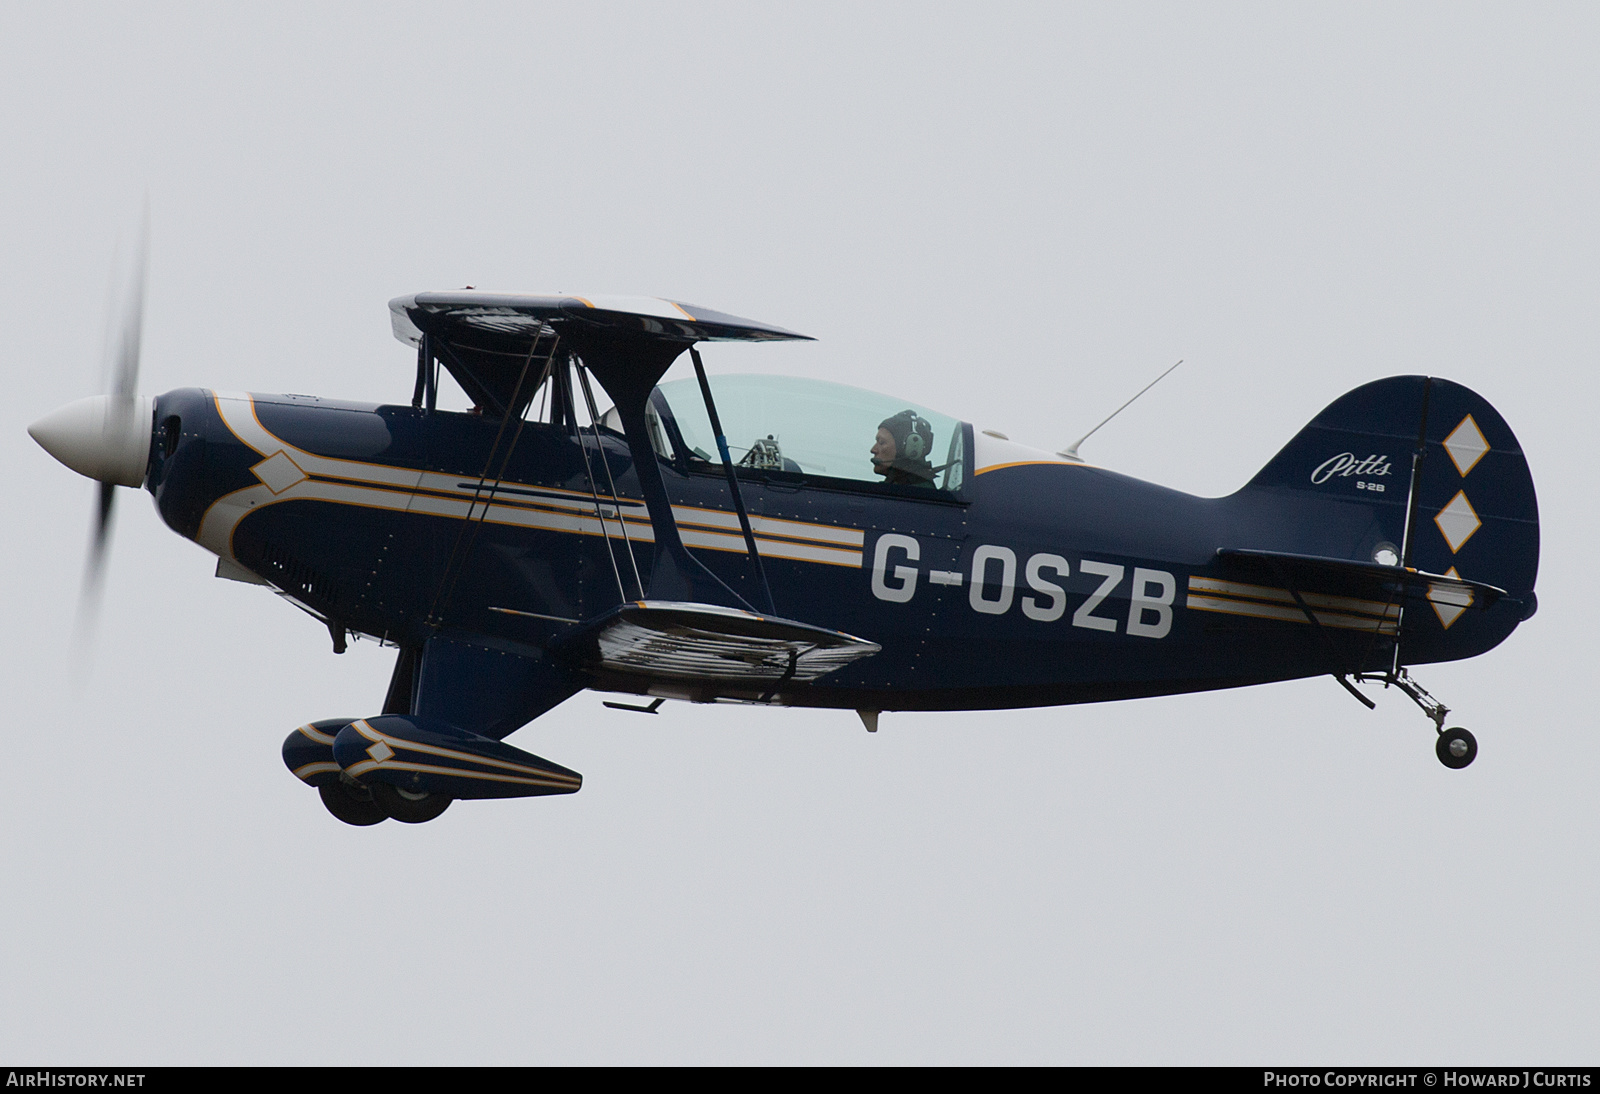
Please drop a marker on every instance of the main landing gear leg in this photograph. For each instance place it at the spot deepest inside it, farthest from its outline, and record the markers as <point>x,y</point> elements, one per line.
<point>1456,748</point>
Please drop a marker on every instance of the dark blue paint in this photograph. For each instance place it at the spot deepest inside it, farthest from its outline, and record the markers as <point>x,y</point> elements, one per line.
<point>383,573</point>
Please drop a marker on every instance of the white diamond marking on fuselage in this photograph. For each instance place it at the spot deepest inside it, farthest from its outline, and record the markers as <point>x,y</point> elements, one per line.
<point>1449,601</point>
<point>1457,521</point>
<point>1466,445</point>
<point>279,472</point>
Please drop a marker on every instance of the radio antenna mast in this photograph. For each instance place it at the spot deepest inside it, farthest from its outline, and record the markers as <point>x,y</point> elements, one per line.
<point>1071,451</point>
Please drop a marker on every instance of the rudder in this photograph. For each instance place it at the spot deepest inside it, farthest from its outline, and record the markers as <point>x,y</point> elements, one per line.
<point>1347,486</point>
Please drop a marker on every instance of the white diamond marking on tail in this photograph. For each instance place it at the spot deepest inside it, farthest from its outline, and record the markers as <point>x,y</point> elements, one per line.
<point>1466,445</point>
<point>1449,602</point>
<point>1457,521</point>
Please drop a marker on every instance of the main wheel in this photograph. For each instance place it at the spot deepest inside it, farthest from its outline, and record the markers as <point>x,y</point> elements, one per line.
<point>408,806</point>
<point>351,803</point>
<point>1456,748</point>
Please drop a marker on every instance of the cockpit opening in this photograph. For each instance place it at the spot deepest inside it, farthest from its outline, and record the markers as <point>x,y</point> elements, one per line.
<point>814,429</point>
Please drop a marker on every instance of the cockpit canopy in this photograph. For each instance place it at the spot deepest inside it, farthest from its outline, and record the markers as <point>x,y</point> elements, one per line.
<point>785,425</point>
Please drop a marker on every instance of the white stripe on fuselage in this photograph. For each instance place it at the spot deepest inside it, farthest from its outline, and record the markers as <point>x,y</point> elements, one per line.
<point>382,486</point>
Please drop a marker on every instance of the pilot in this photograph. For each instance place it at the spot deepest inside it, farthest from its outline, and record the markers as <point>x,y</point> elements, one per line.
<point>900,454</point>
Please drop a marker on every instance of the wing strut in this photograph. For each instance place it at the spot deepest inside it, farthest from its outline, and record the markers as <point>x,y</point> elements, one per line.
<point>733,481</point>
<point>425,396</point>
<point>629,367</point>
<point>452,571</point>
<point>1343,675</point>
<point>486,339</point>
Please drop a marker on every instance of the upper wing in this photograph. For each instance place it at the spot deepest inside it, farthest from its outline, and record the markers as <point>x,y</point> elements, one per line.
<point>485,338</point>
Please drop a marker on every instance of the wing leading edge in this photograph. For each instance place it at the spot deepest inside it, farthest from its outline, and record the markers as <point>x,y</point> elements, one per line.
<point>510,322</point>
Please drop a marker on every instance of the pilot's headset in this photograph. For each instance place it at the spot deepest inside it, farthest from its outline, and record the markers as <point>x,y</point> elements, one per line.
<point>913,435</point>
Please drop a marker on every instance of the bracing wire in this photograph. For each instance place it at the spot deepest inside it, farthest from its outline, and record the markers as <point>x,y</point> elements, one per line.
<point>594,488</point>
<point>594,427</point>
<point>452,572</point>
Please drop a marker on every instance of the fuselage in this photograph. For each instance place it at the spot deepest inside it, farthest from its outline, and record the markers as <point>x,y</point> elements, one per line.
<point>1039,581</point>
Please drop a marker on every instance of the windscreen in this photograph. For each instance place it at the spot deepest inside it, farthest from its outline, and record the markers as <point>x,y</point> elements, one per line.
<point>815,428</point>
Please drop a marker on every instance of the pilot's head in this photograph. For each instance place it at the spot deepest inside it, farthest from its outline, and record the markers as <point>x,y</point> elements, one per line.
<point>900,453</point>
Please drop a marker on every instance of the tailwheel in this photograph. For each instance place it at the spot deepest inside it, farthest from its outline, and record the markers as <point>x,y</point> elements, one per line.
<point>351,802</point>
<point>1456,748</point>
<point>408,806</point>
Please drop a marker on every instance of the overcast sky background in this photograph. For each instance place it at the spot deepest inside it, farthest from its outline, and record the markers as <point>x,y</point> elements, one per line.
<point>1017,216</point>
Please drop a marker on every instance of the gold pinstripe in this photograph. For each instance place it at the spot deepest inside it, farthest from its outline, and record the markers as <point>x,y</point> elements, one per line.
<point>1030,463</point>
<point>1209,594</point>
<point>360,484</point>
<point>366,730</point>
<point>548,779</point>
<point>1284,596</point>
<point>1259,610</point>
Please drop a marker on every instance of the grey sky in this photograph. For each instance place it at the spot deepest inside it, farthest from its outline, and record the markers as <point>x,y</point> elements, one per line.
<point>1018,217</point>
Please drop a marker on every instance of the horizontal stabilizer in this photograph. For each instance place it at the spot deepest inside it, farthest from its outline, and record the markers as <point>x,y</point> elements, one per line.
<point>706,642</point>
<point>1369,580</point>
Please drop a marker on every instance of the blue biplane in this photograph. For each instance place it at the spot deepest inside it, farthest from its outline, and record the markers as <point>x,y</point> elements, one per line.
<point>790,542</point>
